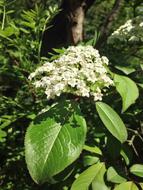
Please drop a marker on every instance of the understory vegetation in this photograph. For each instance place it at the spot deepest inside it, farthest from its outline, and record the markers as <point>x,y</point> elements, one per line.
<point>72,120</point>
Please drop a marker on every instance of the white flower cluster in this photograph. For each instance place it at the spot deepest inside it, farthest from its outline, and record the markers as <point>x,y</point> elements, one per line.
<point>131,31</point>
<point>80,71</point>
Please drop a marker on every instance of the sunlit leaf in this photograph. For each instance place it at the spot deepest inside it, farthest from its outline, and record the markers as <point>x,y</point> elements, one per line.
<point>126,186</point>
<point>128,90</point>
<point>3,134</point>
<point>90,160</point>
<point>54,140</point>
<point>126,70</point>
<point>112,121</point>
<point>99,182</point>
<point>92,149</point>
<point>9,31</point>
<point>140,84</point>
<point>113,176</point>
<point>127,154</point>
<point>141,185</point>
<point>88,176</point>
<point>137,169</point>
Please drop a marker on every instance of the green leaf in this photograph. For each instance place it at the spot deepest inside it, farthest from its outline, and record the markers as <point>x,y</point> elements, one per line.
<point>126,70</point>
<point>59,51</point>
<point>112,121</point>
<point>5,124</point>
<point>94,149</point>
<point>128,90</point>
<point>98,182</point>
<point>113,176</point>
<point>90,160</point>
<point>140,84</point>
<point>3,134</point>
<point>126,186</point>
<point>54,140</point>
<point>141,185</point>
<point>127,153</point>
<point>141,65</point>
<point>88,176</point>
<point>137,169</point>
<point>27,24</point>
<point>9,31</point>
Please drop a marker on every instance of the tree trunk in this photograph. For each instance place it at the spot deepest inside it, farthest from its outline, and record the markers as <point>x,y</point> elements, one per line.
<point>67,26</point>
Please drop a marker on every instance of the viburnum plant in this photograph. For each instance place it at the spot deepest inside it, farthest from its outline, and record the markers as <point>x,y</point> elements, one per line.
<point>80,71</point>
<point>130,32</point>
<point>125,46</point>
<point>57,136</point>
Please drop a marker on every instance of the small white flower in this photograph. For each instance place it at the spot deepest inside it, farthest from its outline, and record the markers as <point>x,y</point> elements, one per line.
<point>105,60</point>
<point>84,92</point>
<point>76,71</point>
<point>37,84</point>
<point>131,31</point>
<point>72,82</point>
<point>32,75</point>
<point>134,39</point>
<point>141,24</point>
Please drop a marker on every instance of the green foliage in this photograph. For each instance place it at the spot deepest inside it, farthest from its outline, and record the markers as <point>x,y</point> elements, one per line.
<point>113,176</point>
<point>99,182</point>
<point>137,169</point>
<point>56,155</point>
<point>93,175</point>
<point>19,54</point>
<point>94,149</point>
<point>127,185</point>
<point>54,137</point>
<point>125,86</point>
<point>112,121</point>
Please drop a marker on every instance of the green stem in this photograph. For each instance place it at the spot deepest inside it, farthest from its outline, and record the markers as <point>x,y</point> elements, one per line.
<point>3,19</point>
<point>131,141</point>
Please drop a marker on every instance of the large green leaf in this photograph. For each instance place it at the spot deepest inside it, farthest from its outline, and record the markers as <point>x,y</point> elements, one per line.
<point>88,176</point>
<point>128,90</point>
<point>112,121</point>
<point>54,140</point>
<point>98,182</point>
<point>126,186</point>
<point>113,176</point>
<point>137,169</point>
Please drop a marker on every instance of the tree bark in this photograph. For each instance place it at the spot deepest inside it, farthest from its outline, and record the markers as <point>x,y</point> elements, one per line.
<point>67,26</point>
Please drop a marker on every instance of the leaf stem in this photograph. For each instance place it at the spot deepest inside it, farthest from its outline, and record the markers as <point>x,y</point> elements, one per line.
<point>4,16</point>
